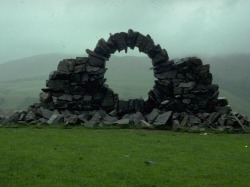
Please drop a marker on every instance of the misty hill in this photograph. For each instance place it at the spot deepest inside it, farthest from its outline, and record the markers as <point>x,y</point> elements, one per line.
<point>22,80</point>
<point>30,67</point>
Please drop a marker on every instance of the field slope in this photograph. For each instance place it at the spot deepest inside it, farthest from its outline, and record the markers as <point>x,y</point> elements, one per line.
<point>119,157</point>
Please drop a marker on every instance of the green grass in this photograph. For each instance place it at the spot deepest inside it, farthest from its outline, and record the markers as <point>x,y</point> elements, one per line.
<point>115,157</point>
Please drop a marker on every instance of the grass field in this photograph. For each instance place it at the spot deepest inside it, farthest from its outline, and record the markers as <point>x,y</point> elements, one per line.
<point>116,157</point>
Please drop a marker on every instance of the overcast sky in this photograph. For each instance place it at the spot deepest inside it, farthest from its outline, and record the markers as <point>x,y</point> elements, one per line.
<point>182,27</point>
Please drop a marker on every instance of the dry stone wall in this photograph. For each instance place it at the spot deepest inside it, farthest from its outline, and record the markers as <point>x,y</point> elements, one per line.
<point>183,93</point>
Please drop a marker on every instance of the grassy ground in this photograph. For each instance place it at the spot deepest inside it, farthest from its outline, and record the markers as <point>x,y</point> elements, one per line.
<point>116,157</point>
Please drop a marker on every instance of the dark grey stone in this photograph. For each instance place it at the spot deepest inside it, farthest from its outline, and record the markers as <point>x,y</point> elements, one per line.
<point>58,84</point>
<point>46,113</point>
<point>176,124</point>
<point>109,120</point>
<point>95,55</point>
<point>187,85</point>
<point>66,65</point>
<point>93,61</point>
<point>138,117</point>
<point>153,115</point>
<point>163,118</point>
<point>14,117</point>
<point>30,116</point>
<point>55,119</point>
<point>122,121</point>
<point>167,75</point>
<point>45,97</point>
<point>193,120</point>
<point>80,68</point>
<point>71,119</point>
<point>66,97</point>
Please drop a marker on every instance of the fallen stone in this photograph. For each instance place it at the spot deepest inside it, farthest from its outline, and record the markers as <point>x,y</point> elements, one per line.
<point>153,115</point>
<point>30,117</point>
<point>122,121</point>
<point>193,120</point>
<point>146,124</point>
<point>163,118</point>
<point>176,124</point>
<point>138,117</point>
<point>46,113</point>
<point>184,120</point>
<point>55,119</point>
<point>109,120</point>
<point>71,119</point>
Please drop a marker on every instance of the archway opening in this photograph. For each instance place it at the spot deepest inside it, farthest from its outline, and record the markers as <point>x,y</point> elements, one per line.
<point>130,75</point>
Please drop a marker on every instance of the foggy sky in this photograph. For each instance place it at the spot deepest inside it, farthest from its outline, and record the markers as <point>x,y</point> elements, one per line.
<point>182,27</point>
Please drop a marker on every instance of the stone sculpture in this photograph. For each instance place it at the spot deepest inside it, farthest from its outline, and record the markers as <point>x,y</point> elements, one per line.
<point>183,94</point>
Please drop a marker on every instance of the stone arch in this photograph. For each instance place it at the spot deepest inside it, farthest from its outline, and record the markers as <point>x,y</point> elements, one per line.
<point>83,77</point>
<point>79,84</point>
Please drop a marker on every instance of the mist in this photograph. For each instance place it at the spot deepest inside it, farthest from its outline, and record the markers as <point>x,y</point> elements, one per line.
<point>183,28</point>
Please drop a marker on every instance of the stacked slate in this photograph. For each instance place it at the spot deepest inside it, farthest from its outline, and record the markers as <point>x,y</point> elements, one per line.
<point>183,94</point>
<point>186,86</point>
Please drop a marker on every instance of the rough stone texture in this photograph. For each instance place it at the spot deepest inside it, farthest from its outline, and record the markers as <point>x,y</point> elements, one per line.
<point>55,119</point>
<point>162,118</point>
<point>182,95</point>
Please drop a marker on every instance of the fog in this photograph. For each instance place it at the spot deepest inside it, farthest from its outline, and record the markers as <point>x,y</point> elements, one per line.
<point>183,28</point>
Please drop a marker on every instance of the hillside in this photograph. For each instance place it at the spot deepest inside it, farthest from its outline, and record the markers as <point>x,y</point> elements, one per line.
<point>22,80</point>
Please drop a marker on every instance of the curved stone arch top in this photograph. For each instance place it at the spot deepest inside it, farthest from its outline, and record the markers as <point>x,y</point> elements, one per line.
<point>121,41</point>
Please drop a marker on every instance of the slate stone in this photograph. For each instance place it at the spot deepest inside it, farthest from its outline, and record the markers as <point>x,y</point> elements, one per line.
<point>132,38</point>
<point>55,119</point>
<point>179,63</point>
<point>14,117</point>
<point>46,113</point>
<point>71,119</point>
<point>102,48</point>
<point>104,45</point>
<point>121,41</point>
<point>58,84</point>
<point>90,124</point>
<point>213,117</point>
<point>146,124</point>
<point>193,120</point>
<point>108,101</point>
<point>158,59</point>
<point>139,40</point>
<point>138,117</point>
<point>122,122</point>
<point>154,51</point>
<point>96,57</point>
<point>81,60</point>
<point>66,65</point>
<point>66,97</point>
<point>163,118</point>
<point>223,110</point>
<point>93,61</point>
<point>176,124</point>
<point>45,97</point>
<point>92,68</point>
<point>153,115</point>
<point>30,116</point>
<point>187,85</point>
<point>109,120</point>
<point>193,61</point>
<point>167,75</point>
<point>123,106</point>
<point>80,68</point>
<point>59,75</point>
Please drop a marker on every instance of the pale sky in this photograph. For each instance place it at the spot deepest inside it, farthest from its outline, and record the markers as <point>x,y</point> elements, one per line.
<point>182,27</point>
